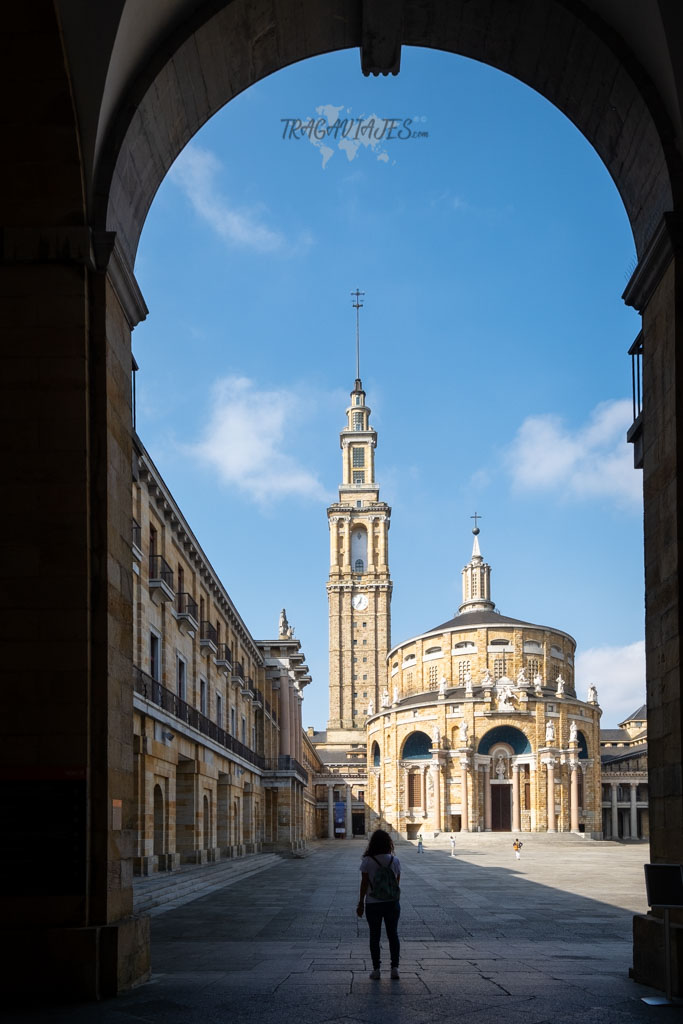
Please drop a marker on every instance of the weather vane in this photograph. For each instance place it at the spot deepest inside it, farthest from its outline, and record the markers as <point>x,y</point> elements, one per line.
<point>476,516</point>
<point>357,305</point>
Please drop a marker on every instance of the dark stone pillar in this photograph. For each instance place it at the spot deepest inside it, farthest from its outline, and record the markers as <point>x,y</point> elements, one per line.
<point>656,290</point>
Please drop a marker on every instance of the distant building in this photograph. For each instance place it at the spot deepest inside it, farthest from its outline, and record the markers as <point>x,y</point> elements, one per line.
<point>480,728</point>
<point>625,813</point>
<point>472,726</point>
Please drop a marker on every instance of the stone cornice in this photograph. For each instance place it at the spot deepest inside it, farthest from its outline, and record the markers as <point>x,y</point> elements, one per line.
<point>109,257</point>
<point>666,242</point>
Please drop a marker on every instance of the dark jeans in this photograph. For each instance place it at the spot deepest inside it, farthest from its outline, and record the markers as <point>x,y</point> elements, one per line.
<point>388,911</point>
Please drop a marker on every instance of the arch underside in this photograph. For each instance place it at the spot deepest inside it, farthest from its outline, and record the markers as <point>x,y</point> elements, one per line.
<point>546,45</point>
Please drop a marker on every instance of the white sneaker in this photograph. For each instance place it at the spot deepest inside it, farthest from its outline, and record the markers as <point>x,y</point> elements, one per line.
<point>375,975</point>
<point>395,974</point>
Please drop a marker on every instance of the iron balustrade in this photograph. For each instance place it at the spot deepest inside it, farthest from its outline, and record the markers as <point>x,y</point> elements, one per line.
<point>170,702</point>
<point>209,632</point>
<point>285,763</point>
<point>224,654</point>
<point>186,605</point>
<point>159,569</point>
<point>636,354</point>
<point>239,671</point>
<point>634,435</point>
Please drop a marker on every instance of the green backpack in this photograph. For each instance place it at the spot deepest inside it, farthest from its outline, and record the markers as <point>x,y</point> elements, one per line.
<point>385,884</point>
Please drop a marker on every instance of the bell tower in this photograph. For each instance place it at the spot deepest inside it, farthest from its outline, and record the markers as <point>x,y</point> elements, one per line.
<point>359,585</point>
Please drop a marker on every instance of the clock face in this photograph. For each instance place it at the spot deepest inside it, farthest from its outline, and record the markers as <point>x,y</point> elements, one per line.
<point>360,602</point>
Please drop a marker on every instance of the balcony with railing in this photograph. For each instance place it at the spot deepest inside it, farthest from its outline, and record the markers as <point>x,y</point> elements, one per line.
<point>223,659</point>
<point>160,580</point>
<point>257,698</point>
<point>634,434</point>
<point>238,674</point>
<point>186,613</point>
<point>136,540</point>
<point>287,765</point>
<point>208,639</point>
<point>247,688</point>
<point>170,702</point>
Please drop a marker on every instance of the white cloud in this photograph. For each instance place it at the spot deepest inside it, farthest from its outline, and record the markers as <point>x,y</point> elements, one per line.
<point>244,441</point>
<point>196,171</point>
<point>619,674</point>
<point>592,461</point>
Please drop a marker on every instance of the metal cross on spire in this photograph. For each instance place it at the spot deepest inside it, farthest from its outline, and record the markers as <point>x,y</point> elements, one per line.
<point>476,516</point>
<point>357,305</point>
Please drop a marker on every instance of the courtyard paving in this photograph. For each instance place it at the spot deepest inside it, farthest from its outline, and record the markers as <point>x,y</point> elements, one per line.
<point>484,938</point>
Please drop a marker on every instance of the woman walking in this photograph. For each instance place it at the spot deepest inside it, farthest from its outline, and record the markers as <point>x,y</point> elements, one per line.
<point>379,897</point>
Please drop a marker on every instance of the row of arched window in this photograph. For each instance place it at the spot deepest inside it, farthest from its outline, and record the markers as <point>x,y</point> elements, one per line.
<point>417,746</point>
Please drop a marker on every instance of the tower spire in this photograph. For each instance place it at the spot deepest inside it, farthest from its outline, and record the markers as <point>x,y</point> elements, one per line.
<point>476,578</point>
<point>357,305</point>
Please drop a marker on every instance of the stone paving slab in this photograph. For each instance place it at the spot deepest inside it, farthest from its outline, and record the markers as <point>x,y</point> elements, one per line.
<point>484,938</point>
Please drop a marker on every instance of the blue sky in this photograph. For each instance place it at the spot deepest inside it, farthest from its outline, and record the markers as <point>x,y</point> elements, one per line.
<point>493,252</point>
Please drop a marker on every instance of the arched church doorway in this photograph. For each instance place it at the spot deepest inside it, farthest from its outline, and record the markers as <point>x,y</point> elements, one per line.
<point>119,132</point>
<point>508,751</point>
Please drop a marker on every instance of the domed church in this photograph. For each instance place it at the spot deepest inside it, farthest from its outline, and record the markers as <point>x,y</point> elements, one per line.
<point>479,727</point>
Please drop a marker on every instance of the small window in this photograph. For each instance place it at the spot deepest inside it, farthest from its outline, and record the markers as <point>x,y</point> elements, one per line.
<point>244,730</point>
<point>358,421</point>
<point>359,477</point>
<point>358,567</point>
<point>182,678</point>
<point>358,456</point>
<point>494,642</point>
<point>433,650</point>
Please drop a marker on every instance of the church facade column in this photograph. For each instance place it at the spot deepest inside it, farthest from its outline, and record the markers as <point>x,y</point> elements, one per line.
<point>464,797</point>
<point>436,779</point>
<point>330,810</point>
<point>574,768</point>
<point>634,810</point>
<point>487,798</point>
<point>614,810</point>
<point>550,795</point>
<point>516,816</point>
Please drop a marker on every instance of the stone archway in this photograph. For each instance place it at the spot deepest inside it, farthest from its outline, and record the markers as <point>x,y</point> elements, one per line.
<point>124,96</point>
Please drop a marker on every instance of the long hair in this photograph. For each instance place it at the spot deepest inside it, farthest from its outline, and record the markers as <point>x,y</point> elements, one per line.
<point>380,842</point>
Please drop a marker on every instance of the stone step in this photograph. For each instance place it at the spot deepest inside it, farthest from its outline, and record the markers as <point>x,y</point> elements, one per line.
<point>155,894</point>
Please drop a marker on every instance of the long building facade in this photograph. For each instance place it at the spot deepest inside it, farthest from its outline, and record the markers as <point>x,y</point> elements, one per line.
<point>221,766</point>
